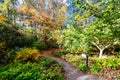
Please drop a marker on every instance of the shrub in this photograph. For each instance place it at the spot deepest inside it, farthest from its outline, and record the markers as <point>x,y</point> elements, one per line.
<point>39,45</point>
<point>7,55</point>
<point>12,53</point>
<point>111,63</point>
<point>119,52</point>
<point>59,54</point>
<point>32,71</point>
<point>95,64</point>
<point>83,67</point>
<point>94,68</point>
<point>13,36</point>
<point>2,47</point>
<point>28,54</point>
<point>3,50</point>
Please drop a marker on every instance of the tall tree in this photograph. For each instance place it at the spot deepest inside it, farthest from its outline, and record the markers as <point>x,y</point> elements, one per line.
<point>43,15</point>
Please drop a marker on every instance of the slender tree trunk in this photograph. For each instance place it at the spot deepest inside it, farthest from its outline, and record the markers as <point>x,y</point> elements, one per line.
<point>101,53</point>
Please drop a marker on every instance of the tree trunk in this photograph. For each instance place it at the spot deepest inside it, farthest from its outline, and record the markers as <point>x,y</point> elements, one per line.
<point>101,53</point>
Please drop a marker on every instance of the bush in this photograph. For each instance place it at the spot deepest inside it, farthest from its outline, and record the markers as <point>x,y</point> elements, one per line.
<point>111,63</point>
<point>2,47</point>
<point>12,53</point>
<point>39,45</point>
<point>28,54</point>
<point>59,54</point>
<point>32,71</point>
<point>13,36</point>
<point>95,64</point>
<point>3,50</point>
<point>83,67</point>
<point>8,55</point>
<point>95,68</point>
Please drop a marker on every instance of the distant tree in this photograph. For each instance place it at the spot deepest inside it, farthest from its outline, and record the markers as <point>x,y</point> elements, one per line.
<point>8,9</point>
<point>44,16</point>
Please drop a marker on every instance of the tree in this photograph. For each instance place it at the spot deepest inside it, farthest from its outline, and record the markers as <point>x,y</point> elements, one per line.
<point>100,32</point>
<point>106,14</point>
<point>44,16</point>
<point>99,35</point>
<point>49,14</point>
<point>107,11</point>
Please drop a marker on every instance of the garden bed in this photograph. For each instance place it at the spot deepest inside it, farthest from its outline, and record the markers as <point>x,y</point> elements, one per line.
<point>108,68</point>
<point>45,69</point>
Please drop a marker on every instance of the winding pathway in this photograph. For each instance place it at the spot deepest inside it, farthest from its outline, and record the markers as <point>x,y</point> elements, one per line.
<point>71,73</point>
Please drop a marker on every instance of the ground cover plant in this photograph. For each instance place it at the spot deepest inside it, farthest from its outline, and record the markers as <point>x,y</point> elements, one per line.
<point>106,67</point>
<point>59,54</point>
<point>45,69</point>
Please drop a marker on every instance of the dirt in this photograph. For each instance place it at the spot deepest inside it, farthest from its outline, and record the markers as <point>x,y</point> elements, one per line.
<point>71,73</point>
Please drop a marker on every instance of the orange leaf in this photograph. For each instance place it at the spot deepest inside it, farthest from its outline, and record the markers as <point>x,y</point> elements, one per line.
<point>1,18</point>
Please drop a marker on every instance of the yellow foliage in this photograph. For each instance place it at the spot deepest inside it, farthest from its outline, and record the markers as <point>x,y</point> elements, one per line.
<point>24,9</point>
<point>2,47</point>
<point>27,10</point>
<point>1,19</point>
<point>78,18</point>
<point>28,54</point>
<point>33,11</point>
<point>64,8</point>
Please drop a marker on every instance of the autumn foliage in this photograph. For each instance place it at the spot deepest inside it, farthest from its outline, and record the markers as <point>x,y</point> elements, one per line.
<point>1,18</point>
<point>32,16</point>
<point>28,54</point>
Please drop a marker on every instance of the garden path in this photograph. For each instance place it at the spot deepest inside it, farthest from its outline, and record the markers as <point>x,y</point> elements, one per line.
<point>71,73</point>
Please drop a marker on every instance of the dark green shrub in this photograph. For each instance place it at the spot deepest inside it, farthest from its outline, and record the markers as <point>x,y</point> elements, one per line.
<point>2,51</point>
<point>59,54</point>
<point>11,55</point>
<point>8,55</point>
<point>2,47</point>
<point>13,36</point>
<point>39,45</point>
<point>119,52</point>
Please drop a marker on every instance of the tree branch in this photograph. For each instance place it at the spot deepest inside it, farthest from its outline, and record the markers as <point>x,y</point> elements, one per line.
<point>107,46</point>
<point>96,45</point>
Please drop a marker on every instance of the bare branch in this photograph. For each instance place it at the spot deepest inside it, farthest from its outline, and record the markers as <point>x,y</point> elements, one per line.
<point>96,45</point>
<point>107,46</point>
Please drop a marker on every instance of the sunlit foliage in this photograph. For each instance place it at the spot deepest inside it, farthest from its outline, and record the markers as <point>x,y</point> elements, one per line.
<point>1,18</point>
